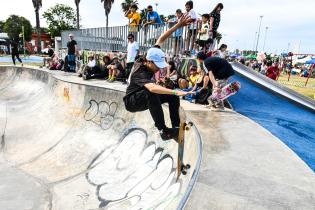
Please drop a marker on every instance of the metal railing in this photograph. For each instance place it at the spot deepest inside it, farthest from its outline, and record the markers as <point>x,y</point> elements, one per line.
<point>114,39</point>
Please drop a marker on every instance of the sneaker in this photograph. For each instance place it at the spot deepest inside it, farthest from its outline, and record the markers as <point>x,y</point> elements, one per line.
<point>169,133</point>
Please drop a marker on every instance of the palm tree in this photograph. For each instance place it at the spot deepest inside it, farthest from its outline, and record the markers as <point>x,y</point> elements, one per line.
<point>37,5</point>
<point>77,2</point>
<point>126,5</point>
<point>218,37</point>
<point>107,7</point>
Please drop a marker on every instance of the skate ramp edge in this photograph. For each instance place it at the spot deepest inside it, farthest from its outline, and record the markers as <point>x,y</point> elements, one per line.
<point>67,145</point>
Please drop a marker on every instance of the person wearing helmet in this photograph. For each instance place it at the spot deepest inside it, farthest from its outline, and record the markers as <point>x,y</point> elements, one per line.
<point>143,94</point>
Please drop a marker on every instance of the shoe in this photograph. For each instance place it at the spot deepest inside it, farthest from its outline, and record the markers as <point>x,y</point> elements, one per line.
<point>169,133</point>
<point>80,75</point>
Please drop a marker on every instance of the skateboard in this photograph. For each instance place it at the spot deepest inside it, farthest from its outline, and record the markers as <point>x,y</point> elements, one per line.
<point>217,98</point>
<point>183,127</point>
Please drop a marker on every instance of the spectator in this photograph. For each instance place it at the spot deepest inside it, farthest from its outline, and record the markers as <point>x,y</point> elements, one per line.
<point>50,57</point>
<point>273,71</point>
<point>215,18</point>
<point>53,63</point>
<point>152,17</point>
<point>264,67</point>
<point>202,89</point>
<point>132,53</point>
<point>71,57</point>
<point>106,61</point>
<point>192,32</point>
<point>172,74</point>
<point>15,51</point>
<point>143,94</point>
<point>203,38</point>
<point>178,34</point>
<point>221,51</point>
<point>93,71</point>
<point>116,70</point>
<point>190,81</point>
<point>134,18</point>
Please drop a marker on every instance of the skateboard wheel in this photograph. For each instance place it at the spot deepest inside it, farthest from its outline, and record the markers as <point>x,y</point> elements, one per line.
<point>184,172</point>
<point>187,166</point>
<point>190,123</point>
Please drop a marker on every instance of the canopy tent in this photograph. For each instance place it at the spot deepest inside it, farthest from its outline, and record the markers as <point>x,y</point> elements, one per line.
<point>310,61</point>
<point>252,57</point>
<point>301,61</point>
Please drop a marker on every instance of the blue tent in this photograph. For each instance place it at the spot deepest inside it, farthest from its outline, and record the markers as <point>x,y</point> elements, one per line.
<point>310,61</point>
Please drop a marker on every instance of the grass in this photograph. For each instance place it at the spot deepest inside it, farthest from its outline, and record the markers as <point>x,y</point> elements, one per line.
<point>298,84</point>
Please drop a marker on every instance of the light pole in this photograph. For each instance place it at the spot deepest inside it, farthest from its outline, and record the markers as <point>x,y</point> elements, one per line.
<point>156,5</point>
<point>261,17</point>
<point>255,40</point>
<point>265,38</point>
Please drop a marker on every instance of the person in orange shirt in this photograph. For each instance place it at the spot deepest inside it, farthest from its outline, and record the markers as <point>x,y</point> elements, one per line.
<point>134,18</point>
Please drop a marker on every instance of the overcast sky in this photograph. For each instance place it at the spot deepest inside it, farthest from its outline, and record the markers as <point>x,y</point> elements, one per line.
<point>289,21</point>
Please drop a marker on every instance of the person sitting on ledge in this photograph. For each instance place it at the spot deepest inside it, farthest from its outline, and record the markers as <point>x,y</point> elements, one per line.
<point>116,71</point>
<point>143,94</point>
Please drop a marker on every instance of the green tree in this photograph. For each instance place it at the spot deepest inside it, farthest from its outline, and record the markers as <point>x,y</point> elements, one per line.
<point>127,3</point>
<point>60,17</point>
<point>77,4</point>
<point>13,26</point>
<point>143,15</point>
<point>107,7</point>
<point>37,5</point>
<point>218,37</point>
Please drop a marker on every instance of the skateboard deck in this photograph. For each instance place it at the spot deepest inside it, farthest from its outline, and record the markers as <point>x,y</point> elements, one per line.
<point>217,98</point>
<point>183,127</point>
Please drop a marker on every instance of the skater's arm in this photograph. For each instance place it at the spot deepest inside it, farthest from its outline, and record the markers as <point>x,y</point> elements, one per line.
<point>212,79</point>
<point>185,20</point>
<point>154,88</point>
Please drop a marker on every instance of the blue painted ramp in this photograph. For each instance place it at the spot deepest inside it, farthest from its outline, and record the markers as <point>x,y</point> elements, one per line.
<point>286,114</point>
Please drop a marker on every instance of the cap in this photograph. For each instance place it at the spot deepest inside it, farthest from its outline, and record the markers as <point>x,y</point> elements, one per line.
<point>71,35</point>
<point>157,56</point>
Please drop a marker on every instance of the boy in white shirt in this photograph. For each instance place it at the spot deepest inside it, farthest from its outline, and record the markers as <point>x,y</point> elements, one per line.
<point>132,53</point>
<point>203,35</point>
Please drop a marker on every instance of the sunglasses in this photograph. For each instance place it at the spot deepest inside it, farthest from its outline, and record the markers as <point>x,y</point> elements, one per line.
<point>130,38</point>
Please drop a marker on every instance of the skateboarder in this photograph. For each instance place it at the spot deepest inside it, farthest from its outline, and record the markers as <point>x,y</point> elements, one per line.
<point>218,69</point>
<point>142,93</point>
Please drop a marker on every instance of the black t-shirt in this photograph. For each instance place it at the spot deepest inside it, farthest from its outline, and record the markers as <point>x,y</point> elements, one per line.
<point>220,68</point>
<point>71,47</point>
<point>15,47</point>
<point>216,20</point>
<point>50,52</point>
<point>140,76</point>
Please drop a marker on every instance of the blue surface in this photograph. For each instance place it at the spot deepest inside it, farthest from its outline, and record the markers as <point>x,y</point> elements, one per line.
<point>28,59</point>
<point>291,123</point>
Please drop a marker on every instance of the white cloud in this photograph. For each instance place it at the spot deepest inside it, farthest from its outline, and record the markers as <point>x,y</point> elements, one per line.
<point>289,21</point>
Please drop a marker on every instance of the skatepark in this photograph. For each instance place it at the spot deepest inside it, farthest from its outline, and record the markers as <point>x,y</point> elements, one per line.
<point>70,144</point>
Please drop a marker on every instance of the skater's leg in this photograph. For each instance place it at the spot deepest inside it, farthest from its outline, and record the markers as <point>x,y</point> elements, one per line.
<point>13,58</point>
<point>173,105</point>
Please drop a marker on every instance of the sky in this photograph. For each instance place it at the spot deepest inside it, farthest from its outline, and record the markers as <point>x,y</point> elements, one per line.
<point>290,23</point>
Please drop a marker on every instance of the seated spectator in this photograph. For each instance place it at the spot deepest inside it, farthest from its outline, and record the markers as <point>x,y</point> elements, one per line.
<point>172,73</point>
<point>264,67</point>
<point>93,71</point>
<point>203,38</point>
<point>169,77</point>
<point>203,88</point>
<point>190,81</point>
<point>134,18</point>
<point>50,57</point>
<point>116,71</point>
<point>53,63</point>
<point>106,61</point>
<point>221,51</point>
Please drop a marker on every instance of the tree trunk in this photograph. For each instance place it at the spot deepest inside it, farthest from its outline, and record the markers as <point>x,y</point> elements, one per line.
<point>38,31</point>
<point>106,25</point>
<point>78,17</point>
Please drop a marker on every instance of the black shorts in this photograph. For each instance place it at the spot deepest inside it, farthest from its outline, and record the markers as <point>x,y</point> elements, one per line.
<point>138,101</point>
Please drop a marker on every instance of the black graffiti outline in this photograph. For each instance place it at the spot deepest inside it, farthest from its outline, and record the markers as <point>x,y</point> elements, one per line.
<point>103,203</point>
<point>107,116</point>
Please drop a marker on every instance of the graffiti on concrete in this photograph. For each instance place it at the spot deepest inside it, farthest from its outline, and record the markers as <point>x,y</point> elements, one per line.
<point>103,114</point>
<point>137,174</point>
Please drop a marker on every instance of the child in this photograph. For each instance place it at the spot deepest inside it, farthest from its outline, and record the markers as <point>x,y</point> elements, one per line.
<point>192,33</point>
<point>191,80</point>
<point>203,35</point>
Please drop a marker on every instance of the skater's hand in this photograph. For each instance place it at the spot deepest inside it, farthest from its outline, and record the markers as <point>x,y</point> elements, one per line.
<point>185,20</point>
<point>182,93</point>
<point>217,90</point>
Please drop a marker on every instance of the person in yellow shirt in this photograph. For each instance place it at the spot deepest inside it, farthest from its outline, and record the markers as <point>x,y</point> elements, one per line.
<point>134,18</point>
<point>190,81</point>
